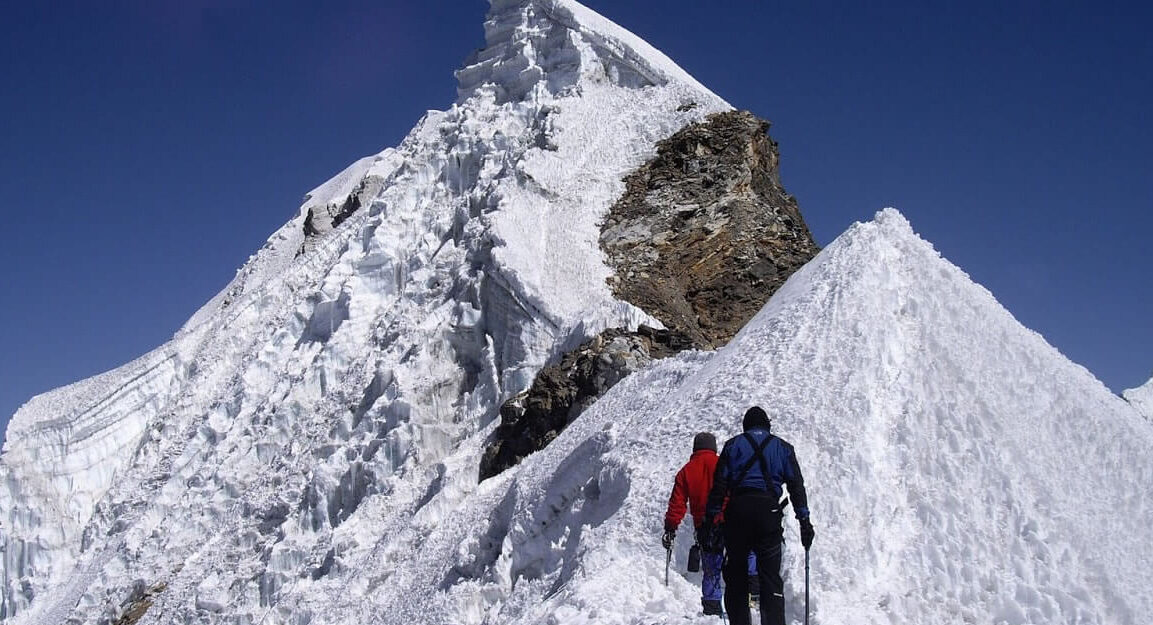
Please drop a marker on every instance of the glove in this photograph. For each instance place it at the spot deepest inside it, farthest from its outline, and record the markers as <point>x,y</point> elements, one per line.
<point>667,539</point>
<point>711,538</point>
<point>807,533</point>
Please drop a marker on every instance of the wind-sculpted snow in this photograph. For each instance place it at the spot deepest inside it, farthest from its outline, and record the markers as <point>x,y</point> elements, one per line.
<point>1142,399</point>
<point>320,411</point>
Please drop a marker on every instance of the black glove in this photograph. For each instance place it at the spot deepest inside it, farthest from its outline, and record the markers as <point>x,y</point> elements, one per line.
<point>667,539</point>
<point>710,538</point>
<point>807,533</point>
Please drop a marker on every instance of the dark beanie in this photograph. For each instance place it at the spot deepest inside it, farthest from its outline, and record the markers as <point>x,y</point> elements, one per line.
<point>755,417</point>
<point>704,440</point>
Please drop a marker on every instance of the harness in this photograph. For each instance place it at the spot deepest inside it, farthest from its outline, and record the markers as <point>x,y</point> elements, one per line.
<point>758,457</point>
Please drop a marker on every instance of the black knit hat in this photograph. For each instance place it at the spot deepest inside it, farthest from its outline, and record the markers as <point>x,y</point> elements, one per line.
<point>704,440</point>
<point>755,417</point>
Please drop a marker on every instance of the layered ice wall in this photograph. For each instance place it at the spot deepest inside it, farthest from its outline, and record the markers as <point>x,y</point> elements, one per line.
<point>63,451</point>
<point>1142,399</point>
<point>320,402</point>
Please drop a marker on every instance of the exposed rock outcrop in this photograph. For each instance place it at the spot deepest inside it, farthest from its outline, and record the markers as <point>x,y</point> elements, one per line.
<point>330,216</point>
<point>705,232</point>
<point>325,214</point>
<point>563,390</point>
<point>702,237</point>
<point>138,604</point>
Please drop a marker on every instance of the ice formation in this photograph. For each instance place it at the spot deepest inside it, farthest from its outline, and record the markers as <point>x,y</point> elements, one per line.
<point>362,356</point>
<point>1142,399</point>
<point>305,450</point>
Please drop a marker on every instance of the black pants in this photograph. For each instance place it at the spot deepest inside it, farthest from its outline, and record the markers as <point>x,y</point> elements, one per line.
<point>753,522</point>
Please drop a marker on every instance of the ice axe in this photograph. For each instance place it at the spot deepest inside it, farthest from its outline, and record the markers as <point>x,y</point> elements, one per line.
<point>668,559</point>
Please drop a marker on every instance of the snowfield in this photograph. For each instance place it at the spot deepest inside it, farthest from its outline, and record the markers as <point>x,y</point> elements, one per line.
<point>305,450</point>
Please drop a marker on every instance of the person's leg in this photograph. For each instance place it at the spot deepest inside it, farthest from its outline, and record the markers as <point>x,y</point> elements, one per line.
<point>772,587</point>
<point>736,585</point>
<point>764,538</point>
<point>711,590</point>
<point>736,570</point>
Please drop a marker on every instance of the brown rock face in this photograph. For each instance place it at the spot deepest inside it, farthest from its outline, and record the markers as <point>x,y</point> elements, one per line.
<point>702,237</point>
<point>563,390</point>
<point>705,232</point>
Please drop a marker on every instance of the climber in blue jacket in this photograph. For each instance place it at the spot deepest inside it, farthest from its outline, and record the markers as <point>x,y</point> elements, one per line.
<point>747,489</point>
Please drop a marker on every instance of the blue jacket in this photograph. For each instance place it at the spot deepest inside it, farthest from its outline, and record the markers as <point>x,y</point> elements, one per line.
<point>777,459</point>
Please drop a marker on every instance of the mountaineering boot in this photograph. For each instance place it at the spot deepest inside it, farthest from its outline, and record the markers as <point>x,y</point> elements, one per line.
<point>712,607</point>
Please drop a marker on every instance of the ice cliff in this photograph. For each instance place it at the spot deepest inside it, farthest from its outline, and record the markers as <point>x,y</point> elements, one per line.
<point>305,450</point>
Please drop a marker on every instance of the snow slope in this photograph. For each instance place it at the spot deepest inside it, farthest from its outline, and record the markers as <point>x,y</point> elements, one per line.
<point>1142,399</point>
<point>960,470</point>
<point>350,371</point>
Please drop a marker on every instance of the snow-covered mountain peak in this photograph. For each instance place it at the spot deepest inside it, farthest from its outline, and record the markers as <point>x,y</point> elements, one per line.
<point>1142,399</point>
<point>306,450</point>
<point>363,350</point>
<point>538,47</point>
<point>940,440</point>
<point>893,220</point>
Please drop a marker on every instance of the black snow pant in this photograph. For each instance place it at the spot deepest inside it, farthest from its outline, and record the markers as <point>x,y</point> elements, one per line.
<point>753,522</point>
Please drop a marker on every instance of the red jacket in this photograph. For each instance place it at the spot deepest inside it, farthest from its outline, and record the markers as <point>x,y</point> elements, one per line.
<point>693,483</point>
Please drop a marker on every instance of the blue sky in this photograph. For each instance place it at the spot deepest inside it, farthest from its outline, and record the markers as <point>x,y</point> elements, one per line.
<point>147,148</point>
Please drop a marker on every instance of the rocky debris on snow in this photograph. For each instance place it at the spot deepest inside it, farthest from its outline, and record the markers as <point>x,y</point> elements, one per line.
<point>322,218</point>
<point>1141,398</point>
<point>562,391</point>
<point>705,232</point>
<point>331,217</point>
<point>139,603</point>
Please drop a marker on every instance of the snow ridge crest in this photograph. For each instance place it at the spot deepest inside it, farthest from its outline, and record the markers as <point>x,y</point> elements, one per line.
<point>1141,398</point>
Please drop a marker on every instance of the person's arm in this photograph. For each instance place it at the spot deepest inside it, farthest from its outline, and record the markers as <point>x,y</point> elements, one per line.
<point>677,502</point>
<point>720,489</point>
<point>796,485</point>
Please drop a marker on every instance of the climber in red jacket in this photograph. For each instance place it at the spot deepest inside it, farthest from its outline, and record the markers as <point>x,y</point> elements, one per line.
<point>692,484</point>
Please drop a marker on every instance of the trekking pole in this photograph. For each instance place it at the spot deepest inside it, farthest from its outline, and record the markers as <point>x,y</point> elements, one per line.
<point>806,586</point>
<point>668,559</point>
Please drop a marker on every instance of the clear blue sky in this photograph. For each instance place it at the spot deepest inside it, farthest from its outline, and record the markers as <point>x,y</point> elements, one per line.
<point>148,147</point>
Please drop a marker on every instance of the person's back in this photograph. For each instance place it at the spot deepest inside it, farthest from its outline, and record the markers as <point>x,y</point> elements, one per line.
<point>692,485</point>
<point>751,471</point>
